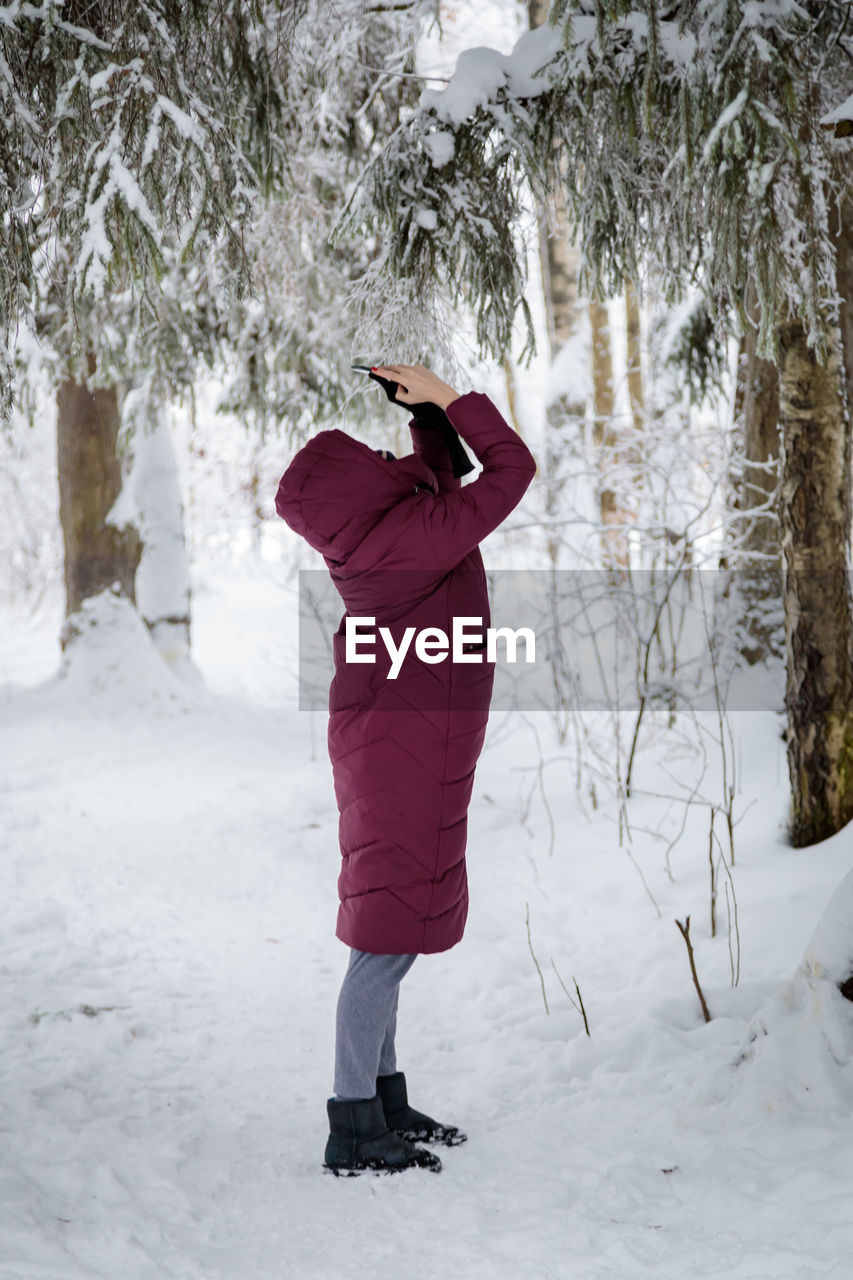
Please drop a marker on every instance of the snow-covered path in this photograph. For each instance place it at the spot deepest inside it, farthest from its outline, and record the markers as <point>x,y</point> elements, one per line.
<point>167,879</point>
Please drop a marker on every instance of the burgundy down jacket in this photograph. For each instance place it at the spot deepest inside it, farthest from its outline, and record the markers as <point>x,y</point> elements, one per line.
<point>400,540</point>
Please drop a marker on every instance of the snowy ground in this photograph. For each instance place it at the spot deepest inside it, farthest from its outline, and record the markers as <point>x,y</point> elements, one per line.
<point>168,867</point>
<point>167,896</point>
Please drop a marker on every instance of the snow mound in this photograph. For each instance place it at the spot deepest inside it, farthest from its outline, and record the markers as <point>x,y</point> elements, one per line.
<point>798,1053</point>
<point>111,661</point>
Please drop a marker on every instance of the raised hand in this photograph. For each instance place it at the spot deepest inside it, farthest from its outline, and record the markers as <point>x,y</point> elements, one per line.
<point>417,385</point>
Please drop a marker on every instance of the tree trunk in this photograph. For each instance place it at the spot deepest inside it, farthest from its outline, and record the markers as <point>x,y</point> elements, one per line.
<point>559,261</point>
<point>631,438</point>
<point>756,555</point>
<point>511,398</point>
<point>558,257</point>
<point>757,411</point>
<point>844,281</point>
<point>614,538</point>
<point>815,522</point>
<point>565,411</point>
<point>98,554</point>
<point>635,367</point>
<point>163,592</point>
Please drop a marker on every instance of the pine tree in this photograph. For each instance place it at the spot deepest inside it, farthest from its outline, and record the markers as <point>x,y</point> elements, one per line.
<point>137,139</point>
<point>155,159</point>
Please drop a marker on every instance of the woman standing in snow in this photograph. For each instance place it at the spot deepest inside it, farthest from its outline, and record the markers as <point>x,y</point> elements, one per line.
<point>400,538</point>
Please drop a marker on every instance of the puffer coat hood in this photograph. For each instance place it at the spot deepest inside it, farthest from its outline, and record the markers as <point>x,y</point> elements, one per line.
<point>337,489</point>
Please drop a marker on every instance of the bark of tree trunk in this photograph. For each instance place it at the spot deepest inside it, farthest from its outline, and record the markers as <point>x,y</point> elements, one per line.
<point>631,442</point>
<point>844,281</point>
<point>511,398</point>
<point>559,261</point>
<point>757,409</point>
<point>636,394</point>
<point>815,524</point>
<point>566,412</point>
<point>757,554</point>
<point>97,553</point>
<point>614,540</point>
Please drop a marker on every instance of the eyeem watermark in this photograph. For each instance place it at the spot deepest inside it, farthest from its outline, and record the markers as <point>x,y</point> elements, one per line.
<point>697,639</point>
<point>432,644</point>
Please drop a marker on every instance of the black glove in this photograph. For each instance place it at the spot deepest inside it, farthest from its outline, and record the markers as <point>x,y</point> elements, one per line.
<point>432,416</point>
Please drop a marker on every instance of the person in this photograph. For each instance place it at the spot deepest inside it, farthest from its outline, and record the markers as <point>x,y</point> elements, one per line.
<point>400,537</point>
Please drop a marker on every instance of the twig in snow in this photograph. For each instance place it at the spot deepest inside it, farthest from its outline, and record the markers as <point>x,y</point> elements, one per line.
<point>684,930</point>
<point>552,826</point>
<point>88,1011</point>
<point>629,770</point>
<point>578,1004</point>
<point>734,928</point>
<point>580,1001</point>
<point>713,875</point>
<point>533,953</point>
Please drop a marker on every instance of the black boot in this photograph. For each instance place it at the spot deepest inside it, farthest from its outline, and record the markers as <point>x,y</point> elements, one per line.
<point>408,1123</point>
<point>360,1139</point>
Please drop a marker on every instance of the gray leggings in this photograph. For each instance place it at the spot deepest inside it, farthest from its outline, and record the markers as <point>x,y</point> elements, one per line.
<point>366,1022</point>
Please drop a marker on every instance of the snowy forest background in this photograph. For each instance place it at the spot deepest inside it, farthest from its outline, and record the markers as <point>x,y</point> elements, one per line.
<point>631,226</point>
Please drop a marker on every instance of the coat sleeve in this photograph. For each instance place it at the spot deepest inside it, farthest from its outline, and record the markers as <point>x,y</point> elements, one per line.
<point>443,529</point>
<point>431,448</point>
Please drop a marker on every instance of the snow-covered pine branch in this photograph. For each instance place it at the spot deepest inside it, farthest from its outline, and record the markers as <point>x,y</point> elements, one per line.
<point>693,145</point>
<point>350,83</point>
<point>121,129</point>
<point>447,194</point>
